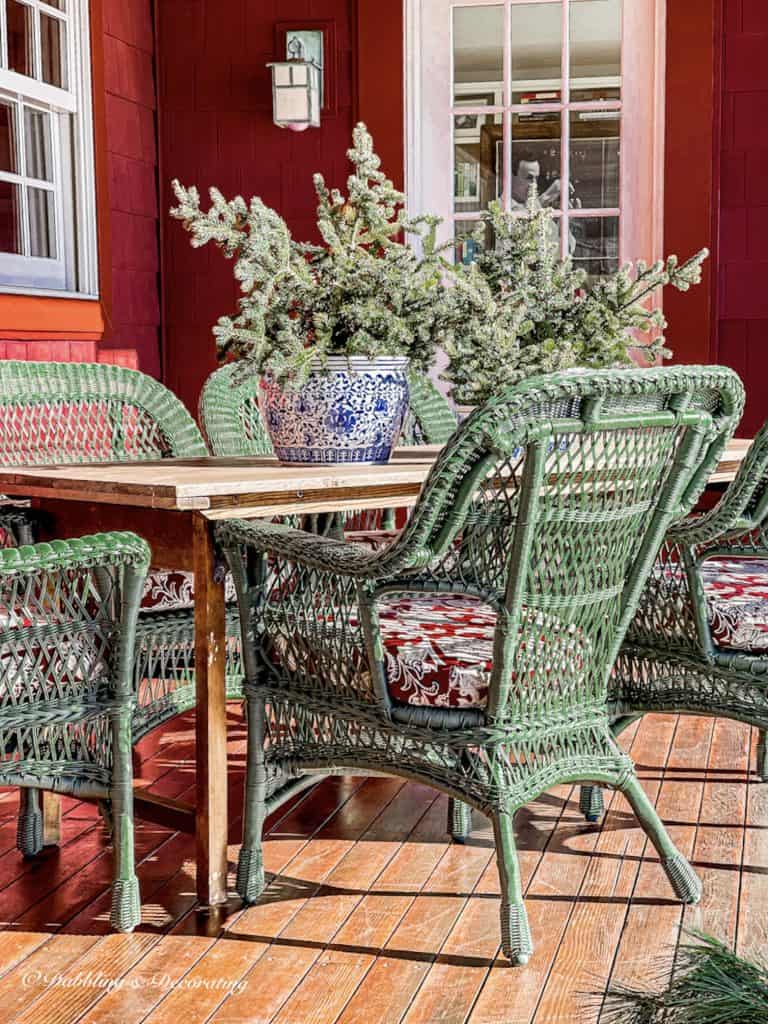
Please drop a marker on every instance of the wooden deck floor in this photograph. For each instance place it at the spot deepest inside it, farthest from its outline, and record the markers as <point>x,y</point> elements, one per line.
<point>371,917</point>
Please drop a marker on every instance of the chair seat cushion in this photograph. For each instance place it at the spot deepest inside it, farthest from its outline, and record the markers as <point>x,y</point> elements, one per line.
<point>169,591</point>
<point>439,648</point>
<point>737,602</point>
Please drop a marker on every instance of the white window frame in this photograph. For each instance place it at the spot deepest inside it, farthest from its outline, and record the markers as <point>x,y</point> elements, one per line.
<point>430,104</point>
<point>74,270</point>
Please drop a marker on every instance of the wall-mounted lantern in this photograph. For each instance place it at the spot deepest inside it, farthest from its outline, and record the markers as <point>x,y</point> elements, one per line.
<point>297,83</point>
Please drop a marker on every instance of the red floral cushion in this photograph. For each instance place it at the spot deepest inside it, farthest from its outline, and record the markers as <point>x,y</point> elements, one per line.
<point>737,602</point>
<point>168,591</point>
<point>439,648</point>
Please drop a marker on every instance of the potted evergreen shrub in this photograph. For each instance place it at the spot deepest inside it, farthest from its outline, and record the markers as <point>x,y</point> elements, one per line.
<point>520,310</point>
<point>331,329</point>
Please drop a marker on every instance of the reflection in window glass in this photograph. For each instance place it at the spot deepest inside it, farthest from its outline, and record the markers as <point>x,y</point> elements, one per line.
<point>52,40</point>
<point>7,138</point>
<point>478,45</point>
<point>595,49</point>
<point>535,158</point>
<point>19,31</point>
<point>595,158</point>
<point>474,172</point>
<point>594,244</point>
<point>536,33</point>
<point>10,218</point>
<point>37,140</point>
<point>42,226</point>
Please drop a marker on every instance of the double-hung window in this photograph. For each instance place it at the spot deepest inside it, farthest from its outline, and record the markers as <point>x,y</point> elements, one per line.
<point>566,94</point>
<point>47,192</point>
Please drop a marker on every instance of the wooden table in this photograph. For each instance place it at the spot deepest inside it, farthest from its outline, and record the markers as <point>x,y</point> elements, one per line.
<point>172,503</point>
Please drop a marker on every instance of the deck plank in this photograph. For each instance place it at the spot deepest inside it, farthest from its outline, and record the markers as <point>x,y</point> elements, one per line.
<point>371,916</point>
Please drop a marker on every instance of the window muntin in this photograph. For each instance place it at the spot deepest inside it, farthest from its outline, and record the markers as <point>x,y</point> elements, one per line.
<point>46,148</point>
<point>553,115</point>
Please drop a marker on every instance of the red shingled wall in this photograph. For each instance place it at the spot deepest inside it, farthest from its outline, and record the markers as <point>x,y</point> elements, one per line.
<point>216,129</point>
<point>130,140</point>
<point>743,264</point>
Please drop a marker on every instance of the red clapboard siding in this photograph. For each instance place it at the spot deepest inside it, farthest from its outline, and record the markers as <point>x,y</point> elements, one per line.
<point>743,258</point>
<point>216,129</point>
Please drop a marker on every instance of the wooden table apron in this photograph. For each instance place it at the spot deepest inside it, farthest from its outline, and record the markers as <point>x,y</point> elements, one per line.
<point>173,505</point>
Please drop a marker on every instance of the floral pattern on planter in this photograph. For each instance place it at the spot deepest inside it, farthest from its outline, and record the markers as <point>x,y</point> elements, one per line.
<point>352,411</point>
<point>737,602</point>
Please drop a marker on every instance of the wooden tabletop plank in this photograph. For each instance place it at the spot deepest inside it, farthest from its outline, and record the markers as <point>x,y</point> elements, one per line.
<point>252,486</point>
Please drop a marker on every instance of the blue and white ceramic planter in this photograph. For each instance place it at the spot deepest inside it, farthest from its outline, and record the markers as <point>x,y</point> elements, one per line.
<point>352,410</point>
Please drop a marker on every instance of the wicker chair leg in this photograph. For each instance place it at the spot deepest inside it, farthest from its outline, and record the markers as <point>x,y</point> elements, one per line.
<point>682,877</point>
<point>516,942</point>
<point>126,901</point>
<point>250,863</point>
<point>762,755</point>
<point>29,830</point>
<point>459,820</point>
<point>591,803</point>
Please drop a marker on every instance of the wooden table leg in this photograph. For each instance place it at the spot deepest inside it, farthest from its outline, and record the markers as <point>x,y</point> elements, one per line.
<point>211,728</point>
<point>51,818</point>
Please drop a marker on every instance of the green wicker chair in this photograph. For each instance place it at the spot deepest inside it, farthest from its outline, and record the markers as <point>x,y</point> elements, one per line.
<point>68,614</point>
<point>473,653</point>
<point>699,641</point>
<point>80,412</point>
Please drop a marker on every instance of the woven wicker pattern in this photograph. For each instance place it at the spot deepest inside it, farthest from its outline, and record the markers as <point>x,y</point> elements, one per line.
<point>68,614</point>
<point>56,413</point>
<point>549,504</point>
<point>81,412</point>
<point>670,661</point>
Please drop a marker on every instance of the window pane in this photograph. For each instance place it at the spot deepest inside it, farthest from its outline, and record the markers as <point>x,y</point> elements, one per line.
<point>595,49</point>
<point>536,35</point>
<point>478,48</point>
<point>58,4</point>
<point>52,48</point>
<point>474,170</point>
<point>42,223</point>
<point>595,158</point>
<point>536,158</point>
<point>19,27</point>
<point>10,221</point>
<point>594,244</point>
<point>37,136</point>
<point>7,138</point>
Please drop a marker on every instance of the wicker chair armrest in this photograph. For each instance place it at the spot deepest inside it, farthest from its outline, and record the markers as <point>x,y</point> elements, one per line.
<point>98,550</point>
<point>308,549</point>
<point>742,509</point>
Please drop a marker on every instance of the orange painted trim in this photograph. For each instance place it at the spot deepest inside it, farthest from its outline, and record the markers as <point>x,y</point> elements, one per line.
<point>32,317</point>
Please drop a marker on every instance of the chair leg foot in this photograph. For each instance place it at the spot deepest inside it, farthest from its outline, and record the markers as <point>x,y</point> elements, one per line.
<point>591,803</point>
<point>762,756</point>
<point>516,941</point>
<point>126,904</point>
<point>682,878</point>
<point>681,875</point>
<point>459,820</point>
<point>250,875</point>
<point>29,830</point>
